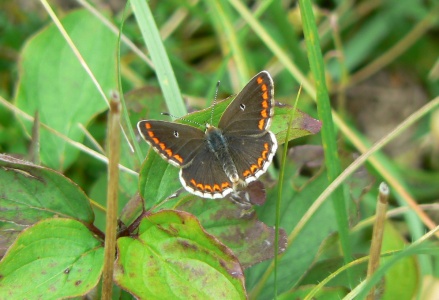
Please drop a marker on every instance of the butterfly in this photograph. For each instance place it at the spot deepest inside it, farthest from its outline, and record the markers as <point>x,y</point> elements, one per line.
<point>219,160</point>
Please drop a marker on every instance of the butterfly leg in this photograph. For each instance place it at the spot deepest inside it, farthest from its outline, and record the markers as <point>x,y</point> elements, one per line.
<point>238,183</point>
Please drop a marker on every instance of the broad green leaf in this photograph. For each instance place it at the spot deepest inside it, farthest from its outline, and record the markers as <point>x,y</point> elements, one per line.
<point>238,228</point>
<point>404,272</point>
<point>8,234</point>
<point>302,252</point>
<point>53,82</point>
<point>174,258</point>
<point>157,179</point>
<point>54,259</point>
<point>302,125</point>
<point>31,193</point>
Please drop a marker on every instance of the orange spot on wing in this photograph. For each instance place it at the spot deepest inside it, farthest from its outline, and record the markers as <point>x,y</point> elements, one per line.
<point>264,87</point>
<point>264,104</point>
<point>253,168</point>
<point>169,152</point>
<point>151,134</point>
<point>260,162</point>
<point>147,126</point>
<point>155,140</point>
<point>261,124</point>
<point>179,158</point>
<point>246,173</point>
<point>162,146</point>
<point>209,188</point>
<point>260,80</point>
<point>265,95</point>
<point>264,113</point>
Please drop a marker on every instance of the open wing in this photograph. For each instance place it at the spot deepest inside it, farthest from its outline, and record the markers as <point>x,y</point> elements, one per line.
<point>177,143</point>
<point>252,109</point>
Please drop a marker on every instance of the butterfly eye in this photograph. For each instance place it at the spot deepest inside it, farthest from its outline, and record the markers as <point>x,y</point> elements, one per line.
<point>242,106</point>
<point>176,134</point>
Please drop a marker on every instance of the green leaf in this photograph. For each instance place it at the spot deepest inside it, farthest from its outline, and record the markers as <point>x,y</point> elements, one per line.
<point>30,193</point>
<point>53,259</point>
<point>302,252</point>
<point>302,124</point>
<point>404,272</point>
<point>53,82</point>
<point>174,258</point>
<point>157,179</point>
<point>238,228</point>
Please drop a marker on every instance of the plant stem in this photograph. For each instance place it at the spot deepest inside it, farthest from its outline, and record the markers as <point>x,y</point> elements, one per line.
<point>377,236</point>
<point>112,194</point>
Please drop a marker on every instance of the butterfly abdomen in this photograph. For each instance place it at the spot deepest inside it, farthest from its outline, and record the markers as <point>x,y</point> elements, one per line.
<point>218,145</point>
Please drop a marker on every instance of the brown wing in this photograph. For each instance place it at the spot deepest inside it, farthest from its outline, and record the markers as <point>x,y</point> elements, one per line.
<point>177,143</point>
<point>252,154</point>
<point>205,176</point>
<point>252,109</point>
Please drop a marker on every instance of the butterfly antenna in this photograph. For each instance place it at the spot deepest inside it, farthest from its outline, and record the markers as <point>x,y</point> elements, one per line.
<point>214,101</point>
<point>187,120</point>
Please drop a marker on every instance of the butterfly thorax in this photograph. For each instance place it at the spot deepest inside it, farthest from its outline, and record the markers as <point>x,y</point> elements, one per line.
<point>219,146</point>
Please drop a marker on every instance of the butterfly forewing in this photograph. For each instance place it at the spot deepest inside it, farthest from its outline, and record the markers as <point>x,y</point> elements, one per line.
<point>177,143</point>
<point>252,109</point>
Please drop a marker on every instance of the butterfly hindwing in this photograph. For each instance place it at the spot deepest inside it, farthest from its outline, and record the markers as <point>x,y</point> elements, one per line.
<point>177,143</point>
<point>205,176</point>
<point>252,109</point>
<point>258,154</point>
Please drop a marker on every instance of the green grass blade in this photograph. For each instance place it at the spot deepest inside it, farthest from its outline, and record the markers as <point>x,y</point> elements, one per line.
<point>273,45</point>
<point>280,189</point>
<point>163,68</point>
<point>329,138</point>
<point>226,32</point>
<point>125,115</point>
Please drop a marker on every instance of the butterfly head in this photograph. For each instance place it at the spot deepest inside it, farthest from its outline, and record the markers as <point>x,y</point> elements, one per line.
<point>210,128</point>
